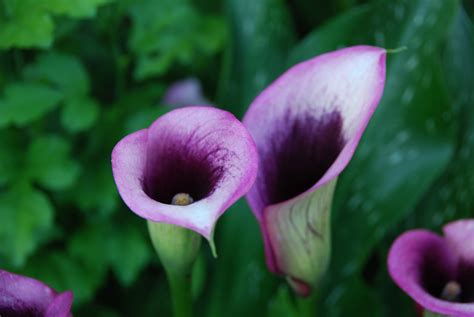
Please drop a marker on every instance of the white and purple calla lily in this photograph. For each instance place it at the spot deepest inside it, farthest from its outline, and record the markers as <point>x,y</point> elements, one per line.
<point>24,296</point>
<point>307,125</point>
<point>437,272</point>
<point>203,152</point>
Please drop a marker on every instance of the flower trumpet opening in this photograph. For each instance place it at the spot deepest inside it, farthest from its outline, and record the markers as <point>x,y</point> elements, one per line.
<point>177,168</point>
<point>437,272</point>
<point>202,152</point>
<point>300,153</point>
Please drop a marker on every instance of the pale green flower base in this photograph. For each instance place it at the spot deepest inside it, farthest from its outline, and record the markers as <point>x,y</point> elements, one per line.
<point>177,249</point>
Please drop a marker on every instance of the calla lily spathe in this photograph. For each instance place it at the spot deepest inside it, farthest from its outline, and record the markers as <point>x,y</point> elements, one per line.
<point>202,151</point>
<point>307,125</point>
<point>437,272</point>
<point>24,296</point>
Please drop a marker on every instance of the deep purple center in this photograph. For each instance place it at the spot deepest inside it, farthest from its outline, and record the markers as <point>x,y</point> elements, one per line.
<point>436,275</point>
<point>180,166</point>
<point>301,150</point>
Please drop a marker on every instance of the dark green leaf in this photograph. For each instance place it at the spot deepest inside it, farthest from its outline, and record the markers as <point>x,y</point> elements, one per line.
<point>168,32</point>
<point>59,70</point>
<point>26,216</point>
<point>128,252</point>
<point>261,35</point>
<point>79,114</point>
<point>24,103</point>
<point>451,196</point>
<point>10,154</point>
<point>49,163</point>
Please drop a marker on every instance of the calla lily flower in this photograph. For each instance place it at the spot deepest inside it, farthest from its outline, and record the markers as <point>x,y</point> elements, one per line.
<point>307,125</point>
<point>437,272</point>
<point>24,296</point>
<point>185,92</point>
<point>203,152</point>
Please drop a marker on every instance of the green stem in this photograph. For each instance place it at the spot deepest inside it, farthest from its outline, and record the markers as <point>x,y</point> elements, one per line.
<point>307,305</point>
<point>181,294</point>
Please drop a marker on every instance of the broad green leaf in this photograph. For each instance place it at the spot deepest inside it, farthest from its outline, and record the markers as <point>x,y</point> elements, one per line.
<point>240,265</point>
<point>24,103</point>
<point>79,114</point>
<point>59,70</point>
<point>26,215</point>
<point>261,36</point>
<point>49,162</point>
<point>451,196</point>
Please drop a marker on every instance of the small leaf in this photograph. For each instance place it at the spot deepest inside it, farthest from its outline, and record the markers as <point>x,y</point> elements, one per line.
<point>128,252</point>
<point>75,9</point>
<point>49,163</point>
<point>26,216</point>
<point>161,39</point>
<point>25,103</point>
<point>59,70</point>
<point>34,29</point>
<point>79,114</point>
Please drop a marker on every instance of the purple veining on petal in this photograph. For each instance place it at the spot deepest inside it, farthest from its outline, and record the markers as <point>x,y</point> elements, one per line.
<point>423,264</point>
<point>202,151</point>
<point>27,297</point>
<point>301,151</point>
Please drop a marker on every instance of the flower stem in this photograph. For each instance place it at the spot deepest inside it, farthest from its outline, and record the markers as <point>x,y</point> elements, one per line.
<point>307,306</point>
<point>180,286</point>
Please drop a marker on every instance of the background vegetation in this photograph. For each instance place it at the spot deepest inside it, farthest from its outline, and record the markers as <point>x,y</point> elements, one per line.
<point>76,76</point>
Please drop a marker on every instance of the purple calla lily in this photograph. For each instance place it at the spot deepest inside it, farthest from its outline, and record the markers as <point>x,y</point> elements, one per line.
<point>201,151</point>
<point>24,296</point>
<point>437,272</point>
<point>185,92</point>
<point>307,125</point>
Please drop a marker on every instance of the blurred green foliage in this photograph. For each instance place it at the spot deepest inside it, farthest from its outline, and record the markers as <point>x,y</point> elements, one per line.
<point>76,76</point>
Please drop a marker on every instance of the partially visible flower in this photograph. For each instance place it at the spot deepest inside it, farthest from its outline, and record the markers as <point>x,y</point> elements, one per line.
<point>186,92</point>
<point>24,296</point>
<point>201,152</point>
<point>307,125</point>
<point>437,272</point>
